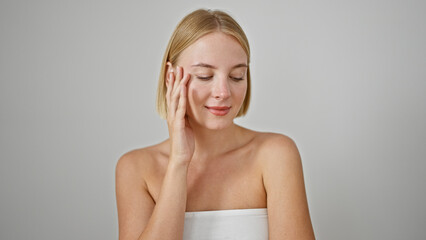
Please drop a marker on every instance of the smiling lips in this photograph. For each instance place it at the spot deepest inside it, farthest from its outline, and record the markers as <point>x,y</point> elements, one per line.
<point>218,111</point>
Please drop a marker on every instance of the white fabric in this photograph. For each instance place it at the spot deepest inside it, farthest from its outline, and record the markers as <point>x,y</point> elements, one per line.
<point>235,224</point>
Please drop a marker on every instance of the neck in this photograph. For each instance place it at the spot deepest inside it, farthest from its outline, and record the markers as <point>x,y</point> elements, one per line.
<point>210,144</point>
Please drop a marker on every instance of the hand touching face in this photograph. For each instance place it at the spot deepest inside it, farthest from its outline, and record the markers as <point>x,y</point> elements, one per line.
<point>218,67</point>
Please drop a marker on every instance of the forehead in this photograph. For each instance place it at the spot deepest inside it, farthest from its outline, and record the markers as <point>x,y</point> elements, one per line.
<point>215,48</point>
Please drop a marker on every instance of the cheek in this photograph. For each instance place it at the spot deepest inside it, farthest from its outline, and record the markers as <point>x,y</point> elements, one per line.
<point>240,92</point>
<point>196,94</point>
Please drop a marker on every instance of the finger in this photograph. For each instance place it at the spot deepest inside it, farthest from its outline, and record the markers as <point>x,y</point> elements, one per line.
<point>171,108</point>
<point>174,100</point>
<point>185,80</point>
<point>176,89</point>
<point>181,111</point>
<point>179,80</point>
<point>178,77</point>
<point>169,88</point>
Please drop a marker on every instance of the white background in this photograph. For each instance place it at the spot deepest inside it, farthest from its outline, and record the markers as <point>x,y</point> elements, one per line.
<point>345,79</point>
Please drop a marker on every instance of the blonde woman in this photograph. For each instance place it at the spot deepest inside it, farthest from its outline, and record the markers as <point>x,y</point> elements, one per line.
<point>211,179</point>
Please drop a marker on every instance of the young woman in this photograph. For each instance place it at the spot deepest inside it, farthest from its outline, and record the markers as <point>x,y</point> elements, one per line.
<point>211,179</point>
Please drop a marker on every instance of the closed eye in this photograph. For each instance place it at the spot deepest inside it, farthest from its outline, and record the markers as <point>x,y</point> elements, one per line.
<point>237,79</point>
<point>204,78</point>
<point>210,77</point>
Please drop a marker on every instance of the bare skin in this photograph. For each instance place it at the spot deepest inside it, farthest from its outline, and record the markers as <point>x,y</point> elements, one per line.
<point>210,163</point>
<point>232,180</point>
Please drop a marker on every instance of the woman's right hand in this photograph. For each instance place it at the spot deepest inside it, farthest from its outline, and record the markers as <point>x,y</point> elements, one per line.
<point>182,141</point>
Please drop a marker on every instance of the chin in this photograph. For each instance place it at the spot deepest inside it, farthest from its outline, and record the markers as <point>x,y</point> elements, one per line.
<point>212,124</point>
<point>217,124</point>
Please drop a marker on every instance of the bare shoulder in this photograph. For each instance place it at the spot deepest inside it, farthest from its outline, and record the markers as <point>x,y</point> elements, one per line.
<point>278,157</point>
<point>276,146</point>
<point>282,174</point>
<point>139,161</point>
<point>133,161</point>
<point>134,201</point>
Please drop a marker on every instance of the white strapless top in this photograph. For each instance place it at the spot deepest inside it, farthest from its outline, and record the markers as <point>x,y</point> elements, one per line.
<point>235,224</point>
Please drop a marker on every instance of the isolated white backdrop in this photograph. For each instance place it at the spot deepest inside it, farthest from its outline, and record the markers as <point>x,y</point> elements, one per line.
<point>345,79</point>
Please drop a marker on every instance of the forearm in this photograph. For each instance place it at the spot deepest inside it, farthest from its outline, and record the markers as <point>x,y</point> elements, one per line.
<point>168,216</point>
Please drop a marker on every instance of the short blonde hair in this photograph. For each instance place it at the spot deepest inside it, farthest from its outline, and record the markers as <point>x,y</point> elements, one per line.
<point>190,29</point>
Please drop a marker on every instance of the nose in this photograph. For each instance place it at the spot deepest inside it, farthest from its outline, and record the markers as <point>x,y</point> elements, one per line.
<point>221,89</point>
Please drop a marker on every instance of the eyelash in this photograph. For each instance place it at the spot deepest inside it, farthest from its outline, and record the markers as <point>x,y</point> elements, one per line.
<point>208,78</point>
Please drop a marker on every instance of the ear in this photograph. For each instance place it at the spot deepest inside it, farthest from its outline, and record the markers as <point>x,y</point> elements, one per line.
<point>169,69</point>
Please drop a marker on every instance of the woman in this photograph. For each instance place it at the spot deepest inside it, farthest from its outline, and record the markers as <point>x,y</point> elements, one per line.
<point>212,179</point>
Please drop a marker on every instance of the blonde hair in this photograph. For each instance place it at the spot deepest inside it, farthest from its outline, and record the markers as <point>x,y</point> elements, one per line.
<point>190,29</point>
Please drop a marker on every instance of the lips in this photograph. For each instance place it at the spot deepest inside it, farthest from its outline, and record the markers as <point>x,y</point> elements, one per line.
<point>218,110</point>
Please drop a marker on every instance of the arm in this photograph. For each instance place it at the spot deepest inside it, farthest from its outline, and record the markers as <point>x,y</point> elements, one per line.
<point>288,212</point>
<point>138,216</point>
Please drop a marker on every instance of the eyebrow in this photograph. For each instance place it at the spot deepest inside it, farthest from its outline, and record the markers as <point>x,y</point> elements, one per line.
<point>213,67</point>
